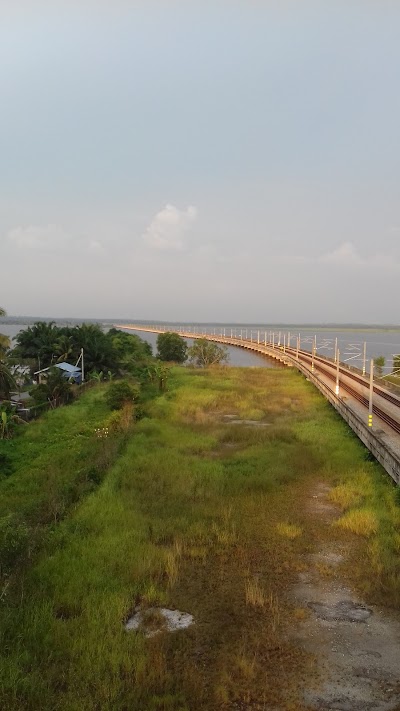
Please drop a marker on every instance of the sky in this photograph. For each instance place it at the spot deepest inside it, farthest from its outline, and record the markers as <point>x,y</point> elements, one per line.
<point>231,161</point>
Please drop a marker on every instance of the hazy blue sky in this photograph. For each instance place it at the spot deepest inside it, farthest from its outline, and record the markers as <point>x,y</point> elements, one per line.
<point>201,160</point>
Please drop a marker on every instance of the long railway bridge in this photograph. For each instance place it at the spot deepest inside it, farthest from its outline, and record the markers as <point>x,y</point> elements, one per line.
<point>370,409</point>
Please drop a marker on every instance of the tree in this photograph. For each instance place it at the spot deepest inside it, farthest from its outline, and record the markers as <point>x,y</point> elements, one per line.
<point>55,390</point>
<point>38,342</point>
<point>396,364</point>
<point>7,381</point>
<point>171,346</point>
<point>379,364</point>
<point>204,353</point>
<point>159,373</point>
<point>8,421</point>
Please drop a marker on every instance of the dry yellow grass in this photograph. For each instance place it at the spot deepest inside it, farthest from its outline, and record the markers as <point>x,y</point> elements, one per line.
<point>289,530</point>
<point>363,522</point>
<point>254,593</point>
<point>351,493</point>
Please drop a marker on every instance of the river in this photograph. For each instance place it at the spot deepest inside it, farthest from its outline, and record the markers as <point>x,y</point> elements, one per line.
<point>350,341</point>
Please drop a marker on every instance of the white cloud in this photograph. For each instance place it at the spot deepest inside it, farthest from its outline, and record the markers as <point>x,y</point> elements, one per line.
<point>38,237</point>
<point>168,228</point>
<point>346,255</point>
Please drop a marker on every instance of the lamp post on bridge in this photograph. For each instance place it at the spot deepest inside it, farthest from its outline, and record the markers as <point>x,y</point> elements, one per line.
<point>258,338</point>
<point>284,342</point>
<point>364,357</point>
<point>337,373</point>
<point>297,348</point>
<point>371,392</point>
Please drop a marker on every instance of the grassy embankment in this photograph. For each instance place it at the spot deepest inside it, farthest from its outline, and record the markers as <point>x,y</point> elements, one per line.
<point>196,514</point>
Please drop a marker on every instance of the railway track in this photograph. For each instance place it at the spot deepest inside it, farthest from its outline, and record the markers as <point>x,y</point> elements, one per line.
<point>394,424</point>
<point>329,370</point>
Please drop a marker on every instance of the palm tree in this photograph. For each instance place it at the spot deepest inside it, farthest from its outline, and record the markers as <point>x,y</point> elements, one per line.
<point>63,347</point>
<point>7,381</point>
<point>38,341</point>
<point>5,343</point>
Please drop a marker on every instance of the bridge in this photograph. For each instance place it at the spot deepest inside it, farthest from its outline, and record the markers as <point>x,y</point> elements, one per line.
<point>370,409</point>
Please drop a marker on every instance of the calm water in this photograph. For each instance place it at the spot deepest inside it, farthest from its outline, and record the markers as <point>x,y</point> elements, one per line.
<point>350,342</point>
<point>237,356</point>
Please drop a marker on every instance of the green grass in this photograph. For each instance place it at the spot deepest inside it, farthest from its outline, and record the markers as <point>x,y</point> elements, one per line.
<point>194,514</point>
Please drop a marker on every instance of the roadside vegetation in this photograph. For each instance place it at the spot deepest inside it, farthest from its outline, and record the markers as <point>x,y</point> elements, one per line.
<point>102,512</point>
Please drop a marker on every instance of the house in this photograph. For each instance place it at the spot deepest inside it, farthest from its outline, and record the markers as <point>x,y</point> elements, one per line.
<point>70,372</point>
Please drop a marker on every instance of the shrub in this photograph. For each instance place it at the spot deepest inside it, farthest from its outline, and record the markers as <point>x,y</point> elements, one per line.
<point>120,393</point>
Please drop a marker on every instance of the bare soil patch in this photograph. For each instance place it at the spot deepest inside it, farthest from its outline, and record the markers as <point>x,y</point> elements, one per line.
<point>356,646</point>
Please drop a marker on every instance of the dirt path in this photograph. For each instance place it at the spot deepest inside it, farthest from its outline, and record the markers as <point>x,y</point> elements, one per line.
<point>356,646</point>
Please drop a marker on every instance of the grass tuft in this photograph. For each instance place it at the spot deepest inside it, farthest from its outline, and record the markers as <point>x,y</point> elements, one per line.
<point>362,522</point>
<point>289,530</point>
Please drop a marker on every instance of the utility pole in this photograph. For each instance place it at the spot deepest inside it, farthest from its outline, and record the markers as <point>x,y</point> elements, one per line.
<point>371,392</point>
<point>337,373</point>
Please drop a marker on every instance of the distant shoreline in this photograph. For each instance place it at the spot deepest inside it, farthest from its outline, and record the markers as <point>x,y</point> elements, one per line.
<point>354,328</point>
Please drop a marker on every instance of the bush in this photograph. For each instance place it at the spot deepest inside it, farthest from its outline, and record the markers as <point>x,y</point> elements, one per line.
<point>171,347</point>
<point>120,393</point>
<point>204,353</point>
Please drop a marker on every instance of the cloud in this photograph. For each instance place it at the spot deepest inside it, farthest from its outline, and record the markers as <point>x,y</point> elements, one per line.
<point>38,237</point>
<point>168,228</point>
<point>52,239</point>
<point>346,255</point>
